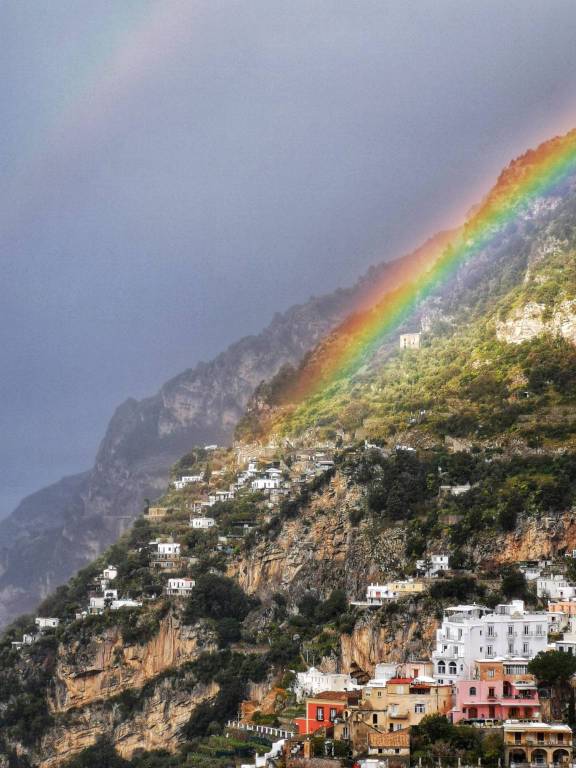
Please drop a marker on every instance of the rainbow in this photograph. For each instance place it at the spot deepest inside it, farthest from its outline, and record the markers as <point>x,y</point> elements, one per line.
<point>129,49</point>
<point>538,173</point>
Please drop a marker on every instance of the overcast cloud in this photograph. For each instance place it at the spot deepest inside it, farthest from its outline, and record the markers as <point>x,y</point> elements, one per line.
<point>176,171</point>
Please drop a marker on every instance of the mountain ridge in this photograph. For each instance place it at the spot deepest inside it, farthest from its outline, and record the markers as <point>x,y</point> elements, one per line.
<point>56,530</point>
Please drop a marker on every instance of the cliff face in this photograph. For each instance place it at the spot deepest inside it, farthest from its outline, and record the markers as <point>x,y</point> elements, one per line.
<point>155,726</point>
<point>60,528</point>
<point>107,666</point>
<point>89,679</point>
<point>318,550</point>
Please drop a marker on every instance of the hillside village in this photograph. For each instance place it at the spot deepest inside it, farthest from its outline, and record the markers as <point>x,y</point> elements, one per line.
<point>222,502</point>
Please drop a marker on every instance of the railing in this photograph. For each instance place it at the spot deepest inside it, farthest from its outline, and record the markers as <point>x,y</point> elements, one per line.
<point>263,730</point>
<point>400,715</point>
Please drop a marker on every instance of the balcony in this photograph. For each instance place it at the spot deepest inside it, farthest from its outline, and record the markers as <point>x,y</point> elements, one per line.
<point>400,714</point>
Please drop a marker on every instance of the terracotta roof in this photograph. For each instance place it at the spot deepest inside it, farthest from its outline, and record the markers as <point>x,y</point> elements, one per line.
<point>391,739</point>
<point>336,695</point>
<point>399,680</point>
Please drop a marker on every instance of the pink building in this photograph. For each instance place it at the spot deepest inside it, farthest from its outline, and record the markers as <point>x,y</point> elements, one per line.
<point>501,690</point>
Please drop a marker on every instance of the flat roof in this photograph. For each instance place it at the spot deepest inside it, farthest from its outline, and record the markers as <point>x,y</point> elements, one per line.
<point>515,725</point>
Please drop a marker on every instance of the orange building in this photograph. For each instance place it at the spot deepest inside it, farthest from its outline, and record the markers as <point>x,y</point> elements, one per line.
<point>323,709</point>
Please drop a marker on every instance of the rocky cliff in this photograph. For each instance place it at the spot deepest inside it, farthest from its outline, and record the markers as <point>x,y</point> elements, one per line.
<point>89,681</point>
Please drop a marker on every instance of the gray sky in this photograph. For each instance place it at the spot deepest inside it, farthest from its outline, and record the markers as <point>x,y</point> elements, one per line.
<point>175,171</point>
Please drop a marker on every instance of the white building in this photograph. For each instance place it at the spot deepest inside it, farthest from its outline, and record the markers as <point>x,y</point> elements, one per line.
<point>109,599</point>
<point>202,523</point>
<point>470,632</point>
<point>221,496</point>
<point>110,573</point>
<point>410,341</point>
<point>46,623</point>
<point>378,594</point>
<point>568,642</point>
<point>27,639</point>
<point>433,565</point>
<point>166,548</point>
<point>554,586</point>
<point>313,681</point>
<point>187,480</point>
<point>124,602</point>
<point>180,587</point>
<point>531,571</point>
<point>265,483</point>
<point>455,490</point>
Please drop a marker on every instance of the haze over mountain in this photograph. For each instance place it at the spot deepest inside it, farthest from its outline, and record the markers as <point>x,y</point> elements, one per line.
<point>172,179</point>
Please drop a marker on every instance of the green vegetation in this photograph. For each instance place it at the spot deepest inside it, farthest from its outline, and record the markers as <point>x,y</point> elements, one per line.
<point>436,739</point>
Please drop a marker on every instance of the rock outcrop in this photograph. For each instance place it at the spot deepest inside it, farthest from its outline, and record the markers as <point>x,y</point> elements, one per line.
<point>531,320</point>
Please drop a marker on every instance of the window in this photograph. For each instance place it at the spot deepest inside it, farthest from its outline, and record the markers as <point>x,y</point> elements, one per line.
<point>490,673</point>
<point>510,629</point>
<point>489,650</point>
<point>517,738</point>
<point>491,630</point>
<point>525,647</point>
<point>526,629</point>
<point>539,629</point>
<point>491,693</point>
<point>419,708</point>
<point>319,714</point>
<point>511,648</point>
<point>452,668</point>
<point>472,691</point>
<point>333,714</point>
<point>441,668</point>
<point>375,719</point>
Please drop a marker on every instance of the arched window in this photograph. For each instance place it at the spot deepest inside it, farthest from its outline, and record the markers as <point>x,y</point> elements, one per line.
<point>441,668</point>
<point>452,668</point>
<point>472,691</point>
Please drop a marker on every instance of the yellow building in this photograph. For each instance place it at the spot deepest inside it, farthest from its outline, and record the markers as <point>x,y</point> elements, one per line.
<point>541,744</point>
<point>157,513</point>
<point>393,705</point>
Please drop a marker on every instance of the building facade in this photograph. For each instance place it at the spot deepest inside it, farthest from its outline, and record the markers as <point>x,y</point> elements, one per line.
<point>537,744</point>
<point>324,709</point>
<point>392,705</point>
<point>500,689</point>
<point>470,632</point>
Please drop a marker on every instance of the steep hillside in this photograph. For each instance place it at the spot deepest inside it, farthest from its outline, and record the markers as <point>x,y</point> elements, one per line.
<point>58,529</point>
<point>463,445</point>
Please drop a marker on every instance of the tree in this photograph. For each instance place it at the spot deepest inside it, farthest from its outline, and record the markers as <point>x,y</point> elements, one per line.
<point>217,597</point>
<point>514,584</point>
<point>556,668</point>
<point>553,667</point>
